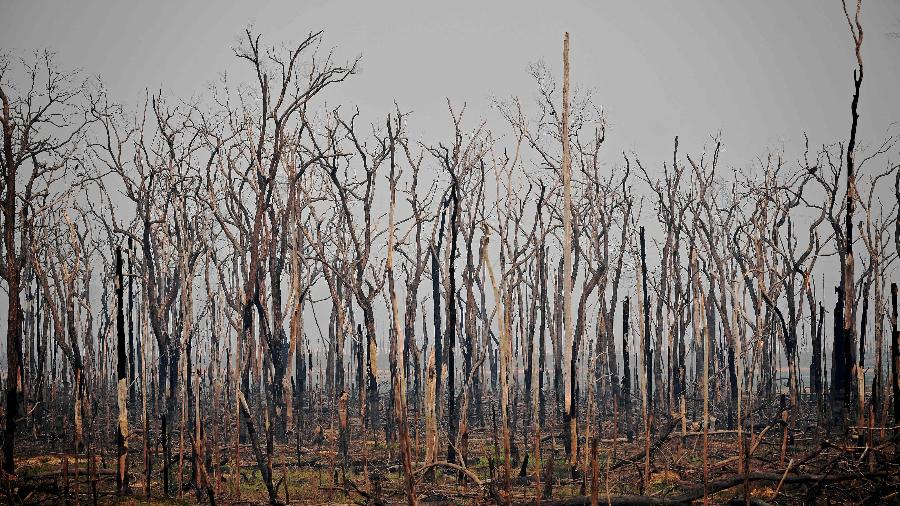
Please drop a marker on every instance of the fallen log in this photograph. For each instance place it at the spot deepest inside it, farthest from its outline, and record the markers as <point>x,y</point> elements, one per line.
<point>711,488</point>
<point>638,455</point>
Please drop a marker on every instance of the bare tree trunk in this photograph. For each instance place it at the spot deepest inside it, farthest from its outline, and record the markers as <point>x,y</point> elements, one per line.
<point>132,381</point>
<point>257,451</point>
<point>505,351</point>
<point>815,366</point>
<point>452,415</point>
<point>148,462</point>
<point>122,384</point>
<point>643,374</point>
<point>398,344</point>
<point>13,270</point>
<point>569,379</point>
<point>648,352</point>
<point>344,432</point>
<point>841,361</point>
<point>895,353</point>
<point>536,375</point>
<point>436,298</point>
<point>431,435</point>
<point>847,282</point>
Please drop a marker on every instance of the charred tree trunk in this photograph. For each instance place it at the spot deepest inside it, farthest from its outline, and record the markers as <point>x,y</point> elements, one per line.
<point>122,383</point>
<point>542,332</point>
<point>452,416</point>
<point>131,354</point>
<point>840,363</point>
<point>847,282</point>
<point>648,352</point>
<point>373,409</point>
<point>13,274</point>
<point>895,353</point>
<point>815,366</point>
<point>626,366</point>
<point>436,298</point>
<point>261,464</point>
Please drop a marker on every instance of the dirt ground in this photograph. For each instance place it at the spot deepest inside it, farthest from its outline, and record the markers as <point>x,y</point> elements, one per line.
<point>800,466</point>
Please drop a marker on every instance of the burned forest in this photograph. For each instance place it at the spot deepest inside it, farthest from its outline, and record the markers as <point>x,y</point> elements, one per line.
<point>264,295</point>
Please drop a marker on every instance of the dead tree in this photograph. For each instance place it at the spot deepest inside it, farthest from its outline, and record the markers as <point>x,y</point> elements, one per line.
<point>280,108</point>
<point>626,360</point>
<point>647,349</point>
<point>566,176</point>
<point>398,353</point>
<point>363,288</point>
<point>847,285</point>
<point>452,413</point>
<point>41,128</point>
<point>122,377</point>
<point>895,353</point>
<point>875,234</point>
<point>414,275</point>
<point>58,278</point>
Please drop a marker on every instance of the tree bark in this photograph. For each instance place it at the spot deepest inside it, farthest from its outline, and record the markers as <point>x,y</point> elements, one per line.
<point>122,383</point>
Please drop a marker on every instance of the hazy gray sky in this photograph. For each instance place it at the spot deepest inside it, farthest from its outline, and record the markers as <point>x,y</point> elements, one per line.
<point>761,72</point>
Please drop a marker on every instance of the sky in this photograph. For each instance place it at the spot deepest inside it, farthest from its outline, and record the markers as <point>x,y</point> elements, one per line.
<point>762,73</point>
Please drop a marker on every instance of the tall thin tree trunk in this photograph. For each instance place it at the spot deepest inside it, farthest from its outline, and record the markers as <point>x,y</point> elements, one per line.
<point>569,379</point>
<point>132,383</point>
<point>452,416</point>
<point>895,353</point>
<point>122,384</point>
<point>398,344</point>
<point>848,280</point>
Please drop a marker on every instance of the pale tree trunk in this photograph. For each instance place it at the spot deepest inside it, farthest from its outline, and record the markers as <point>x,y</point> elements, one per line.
<point>505,350</point>
<point>398,344</point>
<point>431,435</point>
<point>568,378</point>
